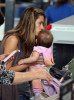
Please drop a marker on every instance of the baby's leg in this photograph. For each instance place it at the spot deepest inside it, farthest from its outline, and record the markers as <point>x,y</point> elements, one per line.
<point>37,87</point>
<point>37,91</point>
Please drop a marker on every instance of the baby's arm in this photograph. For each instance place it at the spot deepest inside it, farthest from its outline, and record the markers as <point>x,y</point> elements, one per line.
<point>31,59</point>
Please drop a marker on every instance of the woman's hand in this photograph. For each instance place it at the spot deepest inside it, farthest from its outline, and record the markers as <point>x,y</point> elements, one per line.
<point>42,73</point>
<point>40,60</point>
<point>3,56</point>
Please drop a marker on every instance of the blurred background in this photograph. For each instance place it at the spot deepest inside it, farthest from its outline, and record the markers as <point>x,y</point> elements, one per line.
<point>20,5</point>
<point>13,9</point>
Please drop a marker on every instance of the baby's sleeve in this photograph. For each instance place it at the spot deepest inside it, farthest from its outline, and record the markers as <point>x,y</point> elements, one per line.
<point>37,49</point>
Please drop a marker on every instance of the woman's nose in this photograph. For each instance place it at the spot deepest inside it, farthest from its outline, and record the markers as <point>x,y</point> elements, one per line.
<point>42,27</point>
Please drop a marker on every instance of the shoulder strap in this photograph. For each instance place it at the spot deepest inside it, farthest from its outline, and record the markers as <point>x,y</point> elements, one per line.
<point>2,45</point>
<point>18,54</point>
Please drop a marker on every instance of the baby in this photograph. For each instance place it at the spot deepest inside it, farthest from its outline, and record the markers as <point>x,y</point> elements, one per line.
<point>43,48</point>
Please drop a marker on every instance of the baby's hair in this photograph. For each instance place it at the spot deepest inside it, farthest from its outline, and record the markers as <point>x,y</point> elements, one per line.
<point>45,39</point>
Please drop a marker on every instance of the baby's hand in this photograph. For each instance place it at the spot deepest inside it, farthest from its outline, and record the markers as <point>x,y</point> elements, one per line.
<point>21,61</point>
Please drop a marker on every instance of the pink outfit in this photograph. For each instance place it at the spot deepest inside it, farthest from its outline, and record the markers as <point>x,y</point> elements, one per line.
<point>47,55</point>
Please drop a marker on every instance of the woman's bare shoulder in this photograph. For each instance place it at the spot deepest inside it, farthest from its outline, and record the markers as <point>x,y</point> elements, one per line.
<point>11,43</point>
<point>12,38</point>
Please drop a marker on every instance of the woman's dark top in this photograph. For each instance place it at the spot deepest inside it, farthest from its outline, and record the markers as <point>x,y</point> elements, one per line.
<point>22,88</point>
<point>9,92</point>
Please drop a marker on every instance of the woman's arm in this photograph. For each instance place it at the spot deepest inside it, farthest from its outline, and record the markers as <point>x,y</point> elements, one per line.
<point>11,44</point>
<point>37,73</point>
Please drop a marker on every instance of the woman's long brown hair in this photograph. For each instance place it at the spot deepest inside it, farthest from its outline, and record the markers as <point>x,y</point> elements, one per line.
<point>25,29</point>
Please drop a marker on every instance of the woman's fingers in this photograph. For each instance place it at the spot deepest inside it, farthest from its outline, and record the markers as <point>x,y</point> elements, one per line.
<point>40,60</point>
<point>49,78</point>
<point>37,68</point>
<point>3,56</point>
<point>10,59</point>
<point>42,73</point>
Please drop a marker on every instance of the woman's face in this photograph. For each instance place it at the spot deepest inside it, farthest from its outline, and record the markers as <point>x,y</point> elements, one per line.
<point>39,24</point>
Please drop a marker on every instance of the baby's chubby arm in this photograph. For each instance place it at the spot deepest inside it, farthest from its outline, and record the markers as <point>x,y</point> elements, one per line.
<point>33,58</point>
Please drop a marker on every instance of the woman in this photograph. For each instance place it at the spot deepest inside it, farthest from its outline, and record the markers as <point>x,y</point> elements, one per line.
<point>22,37</point>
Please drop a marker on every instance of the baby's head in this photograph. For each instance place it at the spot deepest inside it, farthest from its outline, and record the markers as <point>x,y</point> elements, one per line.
<point>45,39</point>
